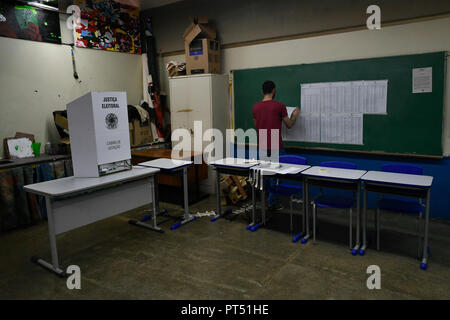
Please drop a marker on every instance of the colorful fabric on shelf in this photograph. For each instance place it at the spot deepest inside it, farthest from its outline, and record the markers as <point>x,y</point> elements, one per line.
<point>19,208</point>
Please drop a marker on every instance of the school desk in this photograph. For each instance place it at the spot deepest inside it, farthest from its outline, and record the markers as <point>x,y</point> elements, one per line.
<point>75,202</point>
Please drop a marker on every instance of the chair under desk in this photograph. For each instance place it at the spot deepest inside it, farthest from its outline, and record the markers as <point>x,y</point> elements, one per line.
<point>346,179</point>
<point>401,184</point>
<point>285,171</point>
<point>75,202</point>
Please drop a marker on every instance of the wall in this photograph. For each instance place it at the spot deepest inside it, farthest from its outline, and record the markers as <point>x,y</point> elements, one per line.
<point>37,78</point>
<point>240,21</point>
<point>147,4</point>
<point>410,38</point>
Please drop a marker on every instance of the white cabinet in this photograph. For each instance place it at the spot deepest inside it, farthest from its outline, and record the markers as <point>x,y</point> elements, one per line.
<point>202,97</point>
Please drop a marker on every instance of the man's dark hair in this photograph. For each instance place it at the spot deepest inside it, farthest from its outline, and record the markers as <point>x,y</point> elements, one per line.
<point>268,87</point>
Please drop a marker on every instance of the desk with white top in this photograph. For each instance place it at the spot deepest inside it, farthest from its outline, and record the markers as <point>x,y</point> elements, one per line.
<point>75,202</point>
<point>258,171</point>
<point>236,167</point>
<point>275,170</point>
<point>347,179</point>
<point>172,167</point>
<point>409,185</point>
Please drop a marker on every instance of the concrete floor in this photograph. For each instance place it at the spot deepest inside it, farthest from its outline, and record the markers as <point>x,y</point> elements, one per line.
<point>222,260</point>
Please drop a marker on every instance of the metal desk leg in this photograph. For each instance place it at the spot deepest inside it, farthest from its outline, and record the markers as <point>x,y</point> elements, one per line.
<point>301,233</point>
<point>54,266</point>
<point>255,226</point>
<point>291,228</point>
<point>253,205</point>
<point>218,203</point>
<point>263,206</point>
<point>187,215</point>
<point>219,213</point>
<point>263,212</point>
<point>155,207</point>
<point>362,251</point>
<point>424,263</point>
<point>158,210</point>
<point>253,223</point>
<point>304,208</point>
<point>197,184</point>
<point>308,235</point>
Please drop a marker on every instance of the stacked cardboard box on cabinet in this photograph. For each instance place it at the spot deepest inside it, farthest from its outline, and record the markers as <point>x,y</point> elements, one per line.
<point>201,47</point>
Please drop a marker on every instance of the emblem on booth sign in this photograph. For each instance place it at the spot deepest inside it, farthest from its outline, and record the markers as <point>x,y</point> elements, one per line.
<point>111,121</point>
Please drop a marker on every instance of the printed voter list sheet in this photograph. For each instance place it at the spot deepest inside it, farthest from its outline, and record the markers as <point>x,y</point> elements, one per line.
<point>341,128</point>
<point>333,112</point>
<point>368,97</point>
<point>306,128</point>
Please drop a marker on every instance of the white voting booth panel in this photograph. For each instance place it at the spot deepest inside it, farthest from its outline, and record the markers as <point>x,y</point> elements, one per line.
<point>99,133</point>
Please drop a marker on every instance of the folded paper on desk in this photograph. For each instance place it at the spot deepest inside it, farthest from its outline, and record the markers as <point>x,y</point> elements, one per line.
<point>280,170</point>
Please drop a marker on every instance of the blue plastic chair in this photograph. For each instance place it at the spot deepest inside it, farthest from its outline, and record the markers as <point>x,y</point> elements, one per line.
<point>338,164</point>
<point>284,188</point>
<point>335,201</point>
<point>399,205</point>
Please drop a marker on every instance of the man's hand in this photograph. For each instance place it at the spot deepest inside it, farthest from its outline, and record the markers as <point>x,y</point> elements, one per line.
<point>289,122</point>
<point>295,113</point>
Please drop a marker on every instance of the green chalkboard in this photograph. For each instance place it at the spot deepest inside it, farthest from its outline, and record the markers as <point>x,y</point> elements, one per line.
<point>413,124</point>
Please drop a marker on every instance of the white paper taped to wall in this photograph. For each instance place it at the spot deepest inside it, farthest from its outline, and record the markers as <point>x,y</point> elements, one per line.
<point>341,128</point>
<point>422,80</point>
<point>306,128</point>
<point>345,97</point>
<point>332,112</point>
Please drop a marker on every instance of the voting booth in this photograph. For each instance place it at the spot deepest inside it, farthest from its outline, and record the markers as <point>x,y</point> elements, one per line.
<point>99,134</point>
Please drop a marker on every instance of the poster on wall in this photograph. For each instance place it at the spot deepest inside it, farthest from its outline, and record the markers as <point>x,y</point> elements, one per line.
<point>108,25</point>
<point>18,20</point>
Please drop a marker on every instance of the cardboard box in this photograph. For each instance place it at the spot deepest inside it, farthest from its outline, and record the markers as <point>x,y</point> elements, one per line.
<point>142,134</point>
<point>199,19</point>
<point>131,127</point>
<point>99,133</point>
<point>199,28</point>
<point>66,141</point>
<point>201,49</point>
<point>62,121</point>
<point>203,56</point>
<point>199,31</point>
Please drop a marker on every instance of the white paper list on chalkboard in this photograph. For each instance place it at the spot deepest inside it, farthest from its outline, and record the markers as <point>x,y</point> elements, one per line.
<point>306,128</point>
<point>332,112</point>
<point>368,97</point>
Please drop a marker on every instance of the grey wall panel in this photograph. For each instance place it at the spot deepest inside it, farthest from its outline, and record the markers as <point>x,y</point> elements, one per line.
<point>82,210</point>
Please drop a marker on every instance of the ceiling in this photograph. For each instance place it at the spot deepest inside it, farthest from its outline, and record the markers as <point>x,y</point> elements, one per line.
<point>147,4</point>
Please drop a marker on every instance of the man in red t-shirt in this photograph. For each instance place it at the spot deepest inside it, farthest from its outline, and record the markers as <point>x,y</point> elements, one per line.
<point>268,115</point>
